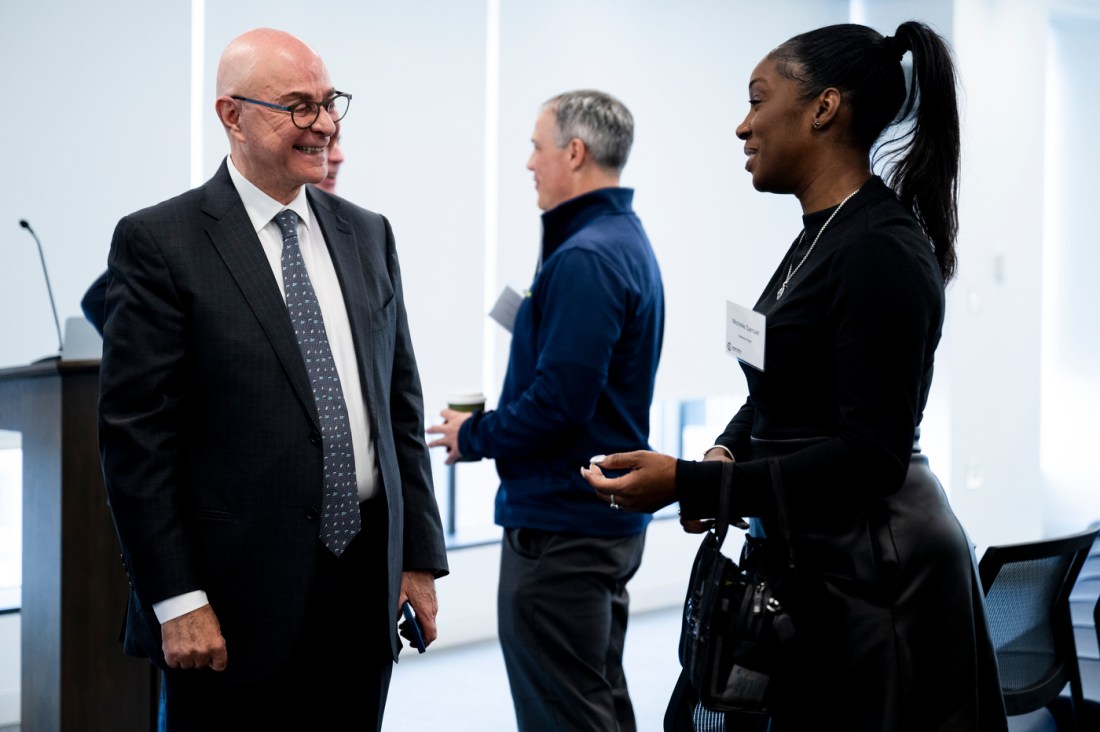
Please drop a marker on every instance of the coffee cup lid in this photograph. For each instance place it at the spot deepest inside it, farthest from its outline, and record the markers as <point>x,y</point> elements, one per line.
<point>465,397</point>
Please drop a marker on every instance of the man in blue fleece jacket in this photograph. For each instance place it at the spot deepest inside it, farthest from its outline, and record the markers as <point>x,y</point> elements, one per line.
<point>585,347</point>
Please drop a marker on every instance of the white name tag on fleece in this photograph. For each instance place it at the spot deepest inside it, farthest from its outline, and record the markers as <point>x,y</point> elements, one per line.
<point>745,335</point>
<point>506,308</point>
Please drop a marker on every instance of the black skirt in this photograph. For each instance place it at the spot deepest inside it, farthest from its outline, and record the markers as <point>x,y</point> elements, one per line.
<point>890,618</point>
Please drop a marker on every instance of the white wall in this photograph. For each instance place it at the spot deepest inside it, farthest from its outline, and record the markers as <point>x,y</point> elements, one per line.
<point>995,303</point>
<point>99,129</point>
<point>1069,430</point>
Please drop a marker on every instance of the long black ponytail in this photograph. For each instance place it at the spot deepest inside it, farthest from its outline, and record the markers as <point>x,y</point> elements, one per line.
<point>920,156</point>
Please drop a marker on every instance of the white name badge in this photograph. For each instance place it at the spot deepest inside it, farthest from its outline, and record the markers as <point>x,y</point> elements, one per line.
<point>745,335</point>
<point>506,308</point>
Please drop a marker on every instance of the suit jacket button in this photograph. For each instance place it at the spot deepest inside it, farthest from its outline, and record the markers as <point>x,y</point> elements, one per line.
<point>315,438</point>
<point>311,513</point>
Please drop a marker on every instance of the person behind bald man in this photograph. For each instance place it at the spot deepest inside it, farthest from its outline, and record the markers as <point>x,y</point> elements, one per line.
<point>232,462</point>
<point>335,160</point>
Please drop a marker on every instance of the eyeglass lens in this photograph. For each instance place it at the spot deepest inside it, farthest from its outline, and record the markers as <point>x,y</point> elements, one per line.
<point>305,114</point>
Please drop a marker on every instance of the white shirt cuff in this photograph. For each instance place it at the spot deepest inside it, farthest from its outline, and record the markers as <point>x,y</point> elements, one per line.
<point>721,447</point>
<point>174,607</point>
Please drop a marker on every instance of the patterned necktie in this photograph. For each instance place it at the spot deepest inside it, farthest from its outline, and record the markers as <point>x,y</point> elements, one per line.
<point>340,502</point>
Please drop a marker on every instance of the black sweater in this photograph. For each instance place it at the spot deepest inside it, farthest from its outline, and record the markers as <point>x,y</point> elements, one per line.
<point>848,355</point>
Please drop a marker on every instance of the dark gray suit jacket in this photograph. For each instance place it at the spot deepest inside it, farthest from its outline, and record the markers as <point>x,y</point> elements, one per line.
<point>209,435</point>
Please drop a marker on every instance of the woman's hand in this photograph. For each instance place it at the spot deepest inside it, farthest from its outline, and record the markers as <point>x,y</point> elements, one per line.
<point>649,486</point>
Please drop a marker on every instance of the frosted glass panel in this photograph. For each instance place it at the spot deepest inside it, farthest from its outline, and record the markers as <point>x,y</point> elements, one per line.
<point>11,518</point>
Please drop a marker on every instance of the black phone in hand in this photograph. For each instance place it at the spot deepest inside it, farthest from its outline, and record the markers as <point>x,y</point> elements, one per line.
<point>412,628</point>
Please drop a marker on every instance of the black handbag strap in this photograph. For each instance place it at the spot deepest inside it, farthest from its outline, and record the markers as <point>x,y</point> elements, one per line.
<point>725,499</point>
<point>725,506</point>
<point>783,521</point>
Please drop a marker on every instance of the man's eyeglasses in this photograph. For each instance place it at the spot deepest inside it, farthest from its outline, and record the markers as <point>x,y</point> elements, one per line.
<point>304,114</point>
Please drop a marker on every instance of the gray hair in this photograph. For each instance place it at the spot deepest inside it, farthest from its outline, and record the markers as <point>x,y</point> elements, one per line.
<point>599,120</point>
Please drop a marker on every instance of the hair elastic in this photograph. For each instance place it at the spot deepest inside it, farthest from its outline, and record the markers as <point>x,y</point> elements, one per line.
<point>893,47</point>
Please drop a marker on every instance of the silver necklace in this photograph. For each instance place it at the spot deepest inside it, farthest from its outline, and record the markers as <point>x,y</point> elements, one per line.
<point>792,270</point>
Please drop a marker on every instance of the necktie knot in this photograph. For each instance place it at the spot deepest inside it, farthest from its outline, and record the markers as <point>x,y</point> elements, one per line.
<point>287,221</point>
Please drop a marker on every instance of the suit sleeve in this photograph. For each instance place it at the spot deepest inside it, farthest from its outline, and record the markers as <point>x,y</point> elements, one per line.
<point>94,302</point>
<point>424,547</point>
<point>140,414</point>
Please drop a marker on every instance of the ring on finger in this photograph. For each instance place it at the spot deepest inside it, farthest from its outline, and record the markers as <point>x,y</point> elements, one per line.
<point>613,504</point>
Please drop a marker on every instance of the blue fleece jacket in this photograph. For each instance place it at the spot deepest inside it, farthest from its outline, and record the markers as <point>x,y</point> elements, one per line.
<point>584,355</point>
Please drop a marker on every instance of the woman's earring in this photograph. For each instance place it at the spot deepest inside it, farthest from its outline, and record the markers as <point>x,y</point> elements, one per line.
<point>817,124</point>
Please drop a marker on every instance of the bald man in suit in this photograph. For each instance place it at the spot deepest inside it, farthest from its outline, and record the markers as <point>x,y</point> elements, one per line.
<point>261,423</point>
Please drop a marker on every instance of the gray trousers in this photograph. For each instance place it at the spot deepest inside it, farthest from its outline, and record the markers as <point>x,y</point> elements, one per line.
<point>562,615</point>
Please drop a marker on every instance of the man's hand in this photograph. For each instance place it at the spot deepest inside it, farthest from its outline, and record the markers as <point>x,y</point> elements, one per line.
<point>419,589</point>
<point>194,640</point>
<point>452,421</point>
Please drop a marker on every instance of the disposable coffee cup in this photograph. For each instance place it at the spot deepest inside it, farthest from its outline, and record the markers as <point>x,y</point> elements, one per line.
<point>469,401</point>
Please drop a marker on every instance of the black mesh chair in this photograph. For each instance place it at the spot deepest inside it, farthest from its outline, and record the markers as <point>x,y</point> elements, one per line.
<point>1027,590</point>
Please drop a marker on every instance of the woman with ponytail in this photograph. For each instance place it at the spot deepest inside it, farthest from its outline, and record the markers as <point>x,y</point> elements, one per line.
<point>891,631</point>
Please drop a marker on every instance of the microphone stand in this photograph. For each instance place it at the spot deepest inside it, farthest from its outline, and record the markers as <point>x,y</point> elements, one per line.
<point>49,289</point>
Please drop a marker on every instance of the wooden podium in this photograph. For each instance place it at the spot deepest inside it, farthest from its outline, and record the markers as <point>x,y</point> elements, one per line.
<point>74,673</point>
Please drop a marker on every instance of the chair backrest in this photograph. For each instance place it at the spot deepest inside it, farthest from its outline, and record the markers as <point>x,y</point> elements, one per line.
<point>1027,590</point>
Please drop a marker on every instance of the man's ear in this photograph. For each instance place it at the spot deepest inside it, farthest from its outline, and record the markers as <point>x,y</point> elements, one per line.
<point>578,153</point>
<point>826,107</point>
<point>229,112</point>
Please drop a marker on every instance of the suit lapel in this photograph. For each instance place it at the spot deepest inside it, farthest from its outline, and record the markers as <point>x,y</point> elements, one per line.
<point>343,246</point>
<point>344,250</point>
<point>233,237</point>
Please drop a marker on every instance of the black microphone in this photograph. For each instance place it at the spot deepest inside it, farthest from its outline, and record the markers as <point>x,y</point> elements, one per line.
<point>56,322</point>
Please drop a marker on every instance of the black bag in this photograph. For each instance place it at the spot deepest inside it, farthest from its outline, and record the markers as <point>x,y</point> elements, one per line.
<point>736,628</point>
